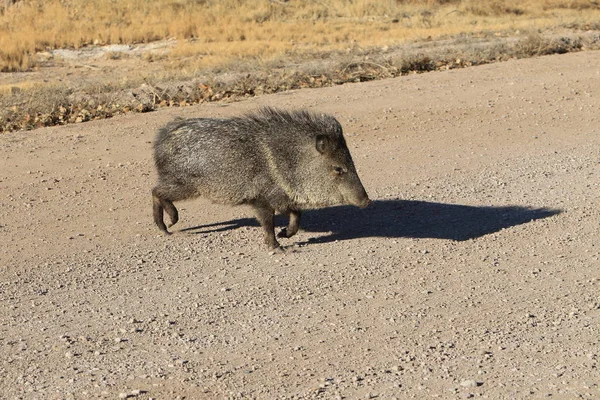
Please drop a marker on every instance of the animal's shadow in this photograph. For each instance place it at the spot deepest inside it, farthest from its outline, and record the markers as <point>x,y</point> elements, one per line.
<point>402,218</point>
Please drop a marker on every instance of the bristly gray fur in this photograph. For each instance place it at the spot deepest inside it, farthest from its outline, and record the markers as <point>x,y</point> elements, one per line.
<point>304,121</point>
<point>274,160</point>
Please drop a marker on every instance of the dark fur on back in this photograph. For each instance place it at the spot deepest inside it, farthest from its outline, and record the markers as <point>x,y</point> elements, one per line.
<point>268,118</point>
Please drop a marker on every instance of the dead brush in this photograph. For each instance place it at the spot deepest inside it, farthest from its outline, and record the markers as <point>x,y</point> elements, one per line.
<point>263,47</point>
<point>533,44</point>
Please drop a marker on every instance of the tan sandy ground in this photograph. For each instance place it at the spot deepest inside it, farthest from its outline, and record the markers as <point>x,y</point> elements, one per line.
<point>475,273</point>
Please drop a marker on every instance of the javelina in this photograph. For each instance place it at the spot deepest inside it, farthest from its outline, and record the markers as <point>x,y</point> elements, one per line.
<point>274,160</point>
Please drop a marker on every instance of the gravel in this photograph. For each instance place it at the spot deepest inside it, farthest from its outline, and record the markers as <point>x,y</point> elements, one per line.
<point>473,274</point>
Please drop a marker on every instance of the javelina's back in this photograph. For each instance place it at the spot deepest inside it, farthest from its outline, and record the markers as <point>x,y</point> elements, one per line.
<point>273,160</point>
<point>205,157</point>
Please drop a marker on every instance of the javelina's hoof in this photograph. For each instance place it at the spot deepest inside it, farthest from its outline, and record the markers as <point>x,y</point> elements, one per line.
<point>271,242</point>
<point>283,233</point>
<point>277,250</point>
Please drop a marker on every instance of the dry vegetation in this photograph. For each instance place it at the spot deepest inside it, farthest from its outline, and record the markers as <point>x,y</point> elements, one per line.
<point>215,32</point>
<point>353,39</point>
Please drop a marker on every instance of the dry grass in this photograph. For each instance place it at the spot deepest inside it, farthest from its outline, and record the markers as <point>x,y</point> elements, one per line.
<point>215,32</point>
<point>264,46</point>
<point>32,107</point>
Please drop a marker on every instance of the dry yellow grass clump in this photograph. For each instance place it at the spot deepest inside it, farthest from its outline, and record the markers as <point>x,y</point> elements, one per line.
<point>217,32</point>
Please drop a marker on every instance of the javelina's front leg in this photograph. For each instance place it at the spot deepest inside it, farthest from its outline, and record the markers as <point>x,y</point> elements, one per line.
<point>265,216</point>
<point>293,225</point>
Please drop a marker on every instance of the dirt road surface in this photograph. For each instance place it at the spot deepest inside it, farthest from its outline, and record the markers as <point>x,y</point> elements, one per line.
<point>474,274</point>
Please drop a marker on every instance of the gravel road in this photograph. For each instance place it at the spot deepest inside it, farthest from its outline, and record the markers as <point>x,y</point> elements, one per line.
<point>474,274</point>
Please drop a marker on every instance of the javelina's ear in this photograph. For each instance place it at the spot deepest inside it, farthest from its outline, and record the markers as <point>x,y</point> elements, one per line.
<point>322,144</point>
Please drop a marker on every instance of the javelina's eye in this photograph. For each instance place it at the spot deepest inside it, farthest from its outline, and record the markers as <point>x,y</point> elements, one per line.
<point>338,170</point>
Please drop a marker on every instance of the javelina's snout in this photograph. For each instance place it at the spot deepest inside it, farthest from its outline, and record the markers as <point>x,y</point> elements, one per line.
<point>364,200</point>
<point>365,203</point>
<point>360,198</point>
<point>352,189</point>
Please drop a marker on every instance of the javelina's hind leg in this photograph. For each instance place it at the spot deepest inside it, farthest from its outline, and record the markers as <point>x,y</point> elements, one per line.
<point>161,203</point>
<point>293,225</point>
<point>170,210</point>
<point>157,211</point>
<point>265,216</point>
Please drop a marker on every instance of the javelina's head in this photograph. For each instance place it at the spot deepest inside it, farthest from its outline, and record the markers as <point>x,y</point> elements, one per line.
<point>337,170</point>
<point>309,159</point>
